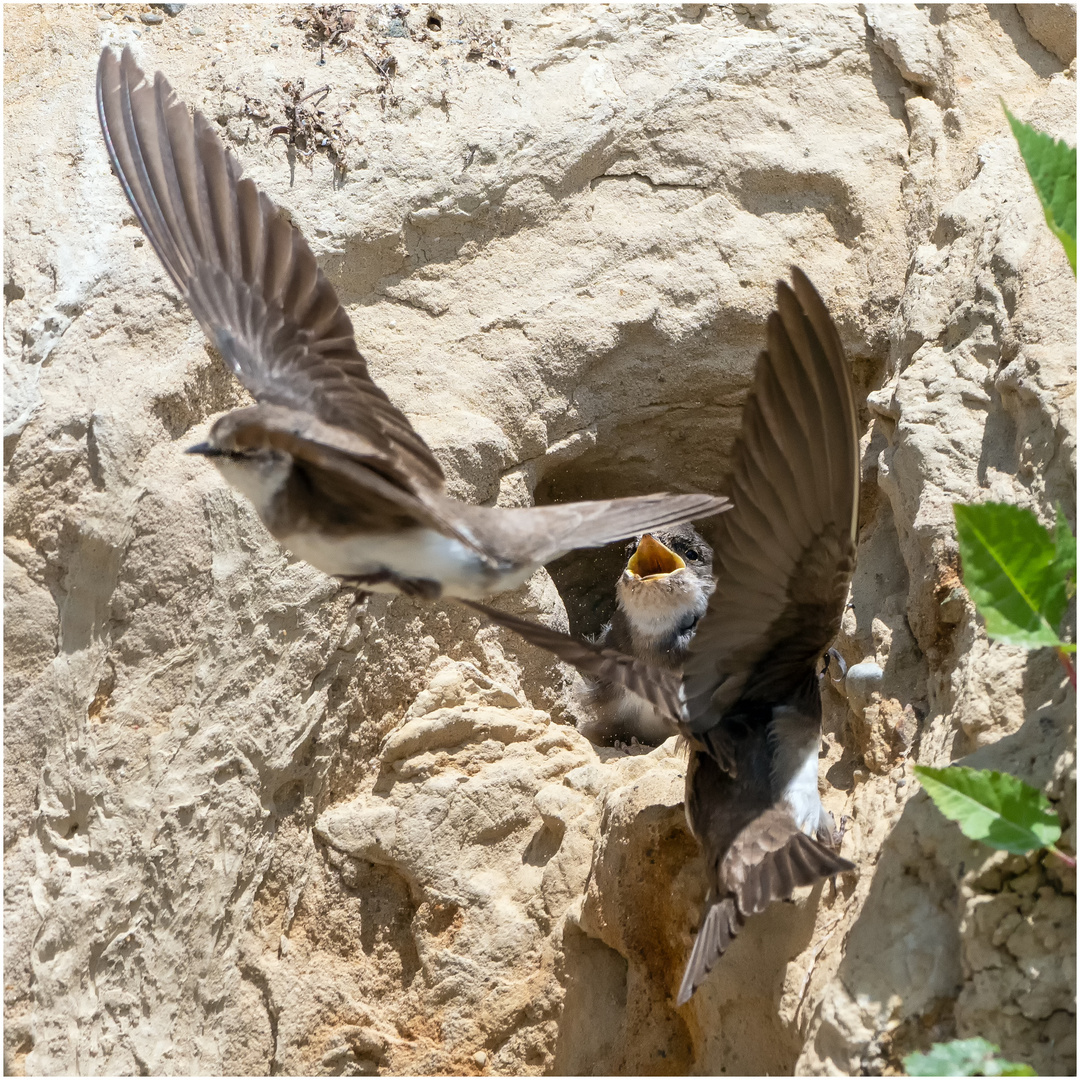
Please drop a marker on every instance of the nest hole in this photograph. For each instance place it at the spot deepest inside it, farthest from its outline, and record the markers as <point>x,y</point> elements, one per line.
<point>684,450</point>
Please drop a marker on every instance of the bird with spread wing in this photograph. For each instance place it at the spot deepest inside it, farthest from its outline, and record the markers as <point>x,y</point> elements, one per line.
<point>748,699</point>
<point>336,471</point>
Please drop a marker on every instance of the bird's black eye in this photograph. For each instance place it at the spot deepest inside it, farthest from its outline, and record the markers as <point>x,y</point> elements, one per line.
<point>692,555</point>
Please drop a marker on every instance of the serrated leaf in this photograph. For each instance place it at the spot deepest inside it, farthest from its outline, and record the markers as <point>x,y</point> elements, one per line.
<point>1012,570</point>
<point>1051,164</point>
<point>995,808</point>
<point>963,1057</point>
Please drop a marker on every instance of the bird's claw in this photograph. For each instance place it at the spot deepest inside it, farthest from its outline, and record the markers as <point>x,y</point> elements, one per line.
<point>841,663</point>
<point>421,587</point>
<point>838,834</point>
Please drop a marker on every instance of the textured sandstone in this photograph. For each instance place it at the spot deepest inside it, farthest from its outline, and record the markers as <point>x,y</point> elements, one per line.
<point>248,829</point>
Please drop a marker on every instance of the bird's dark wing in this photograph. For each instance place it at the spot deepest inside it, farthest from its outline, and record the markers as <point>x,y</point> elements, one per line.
<point>246,273</point>
<point>785,553</point>
<point>658,687</point>
<point>719,929</point>
<point>770,858</point>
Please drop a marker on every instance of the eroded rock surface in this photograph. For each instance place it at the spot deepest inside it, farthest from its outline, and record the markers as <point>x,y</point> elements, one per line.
<point>250,829</point>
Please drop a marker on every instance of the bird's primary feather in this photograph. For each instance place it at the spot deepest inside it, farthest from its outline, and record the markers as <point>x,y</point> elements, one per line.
<point>246,272</point>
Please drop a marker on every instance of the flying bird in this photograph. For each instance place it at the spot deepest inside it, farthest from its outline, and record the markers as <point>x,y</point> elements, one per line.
<point>335,471</point>
<point>660,596</point>
<point>748,699</point>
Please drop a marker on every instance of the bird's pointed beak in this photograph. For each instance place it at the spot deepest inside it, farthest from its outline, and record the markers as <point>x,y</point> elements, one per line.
<point>653,560</point>
<point>205,449</point>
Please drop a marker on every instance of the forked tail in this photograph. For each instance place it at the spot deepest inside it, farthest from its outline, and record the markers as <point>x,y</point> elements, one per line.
<point>754,877</point>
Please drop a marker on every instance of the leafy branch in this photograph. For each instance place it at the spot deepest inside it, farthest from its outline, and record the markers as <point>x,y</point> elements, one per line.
<point>1020,576</point>
<point>995,808</point>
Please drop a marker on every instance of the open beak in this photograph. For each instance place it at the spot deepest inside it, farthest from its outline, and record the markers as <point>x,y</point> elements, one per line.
<point>653,560</point>
<point>205,449</point>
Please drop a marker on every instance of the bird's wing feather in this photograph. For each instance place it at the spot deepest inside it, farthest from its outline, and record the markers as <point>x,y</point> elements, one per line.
<point>247,274</point>
<point>785,553</point>
<point>539,534</point>
<point>659,687</point>
<point>770,858</point>
<point>354,483</point>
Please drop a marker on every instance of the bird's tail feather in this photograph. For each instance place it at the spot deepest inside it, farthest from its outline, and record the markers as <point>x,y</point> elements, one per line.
<point>772,875</point>
<point>801,861</point>
<point>718,930</point>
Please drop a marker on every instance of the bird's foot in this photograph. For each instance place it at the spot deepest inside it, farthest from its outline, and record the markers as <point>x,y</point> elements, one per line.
<point>834,840</point>
<point>826,832</point>
<point>838,834</point>
<point>423,588</point>
<point>841,664</point>
<point>359,595</point>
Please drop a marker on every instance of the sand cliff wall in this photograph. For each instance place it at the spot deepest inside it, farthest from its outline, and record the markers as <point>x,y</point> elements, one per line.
<point>249,830</point>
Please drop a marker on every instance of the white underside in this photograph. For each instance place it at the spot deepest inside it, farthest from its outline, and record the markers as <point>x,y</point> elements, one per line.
<point>796,744</point>
<point>417,553</point>
<point>410,553</point>
<point>656,609</point>
<point>633,712</point>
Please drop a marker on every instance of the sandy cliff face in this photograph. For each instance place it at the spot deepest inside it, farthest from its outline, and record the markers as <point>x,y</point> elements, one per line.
<point>248,829</point>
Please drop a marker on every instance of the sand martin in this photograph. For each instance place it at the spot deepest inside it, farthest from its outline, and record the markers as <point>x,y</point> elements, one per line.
<point>660,597</point>
<point>335,471</point>
<point>748,698</point>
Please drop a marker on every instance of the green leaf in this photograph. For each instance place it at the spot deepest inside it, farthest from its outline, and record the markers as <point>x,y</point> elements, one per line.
<point>1015,571</point>
<point>1065,551</point>
<point>995,808</point>
<point>1051,164</point>
<point>963,1057</point>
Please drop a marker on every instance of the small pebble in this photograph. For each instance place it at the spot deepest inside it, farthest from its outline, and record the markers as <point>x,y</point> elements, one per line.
<point>861,682</point>
<point>274,45</point>
<point>480,1058</point>
<point>105,16</point>
<point>152,18</point>
<point>172,9</point>
<point>196,31</point>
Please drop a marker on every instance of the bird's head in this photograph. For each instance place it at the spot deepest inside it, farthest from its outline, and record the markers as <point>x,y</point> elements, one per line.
<point>240,446</point>
<point>668,577</point>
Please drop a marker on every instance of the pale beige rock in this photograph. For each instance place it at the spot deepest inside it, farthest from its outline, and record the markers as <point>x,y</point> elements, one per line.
<point>1053,26</point>
<point>910,41</point>
<point>249,829</point>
